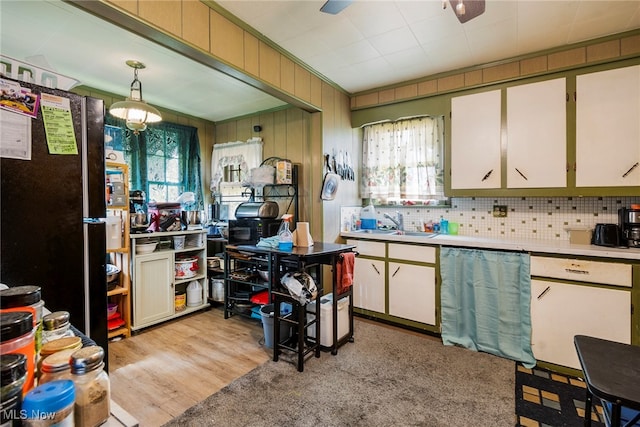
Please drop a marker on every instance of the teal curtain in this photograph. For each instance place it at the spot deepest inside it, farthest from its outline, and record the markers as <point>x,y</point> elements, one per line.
<point>186,143</point>
<point>485,301</point>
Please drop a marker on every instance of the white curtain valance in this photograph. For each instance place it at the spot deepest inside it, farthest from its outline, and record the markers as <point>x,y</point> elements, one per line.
<point>247,155</point>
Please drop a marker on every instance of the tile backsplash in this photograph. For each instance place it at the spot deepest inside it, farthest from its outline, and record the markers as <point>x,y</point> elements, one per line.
<point>545,218</point>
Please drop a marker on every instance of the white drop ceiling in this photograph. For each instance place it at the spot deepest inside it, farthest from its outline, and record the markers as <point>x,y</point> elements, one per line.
<point>375,43</point>
<point>368,45</point>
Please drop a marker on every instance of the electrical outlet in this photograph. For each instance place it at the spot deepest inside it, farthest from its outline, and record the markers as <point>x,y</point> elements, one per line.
<point>500,211</point>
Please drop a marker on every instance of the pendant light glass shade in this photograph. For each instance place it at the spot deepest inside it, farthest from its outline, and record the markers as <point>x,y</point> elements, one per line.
<point>134,111</point>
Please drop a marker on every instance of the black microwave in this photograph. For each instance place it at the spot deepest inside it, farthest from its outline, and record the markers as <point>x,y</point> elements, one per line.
<point>248,231</point>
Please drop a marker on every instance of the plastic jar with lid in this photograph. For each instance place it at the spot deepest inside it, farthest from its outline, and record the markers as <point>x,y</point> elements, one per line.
<point>56,366</point>
<point>67,343</point>
<point>25,296</point>
<point>17,336</point>
<point>92,386</point>
<point>50,404</point>
<point>13,374</point>
<point>56,325</point>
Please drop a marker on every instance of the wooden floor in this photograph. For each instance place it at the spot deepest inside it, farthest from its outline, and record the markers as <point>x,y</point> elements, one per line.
<point>162,371</point>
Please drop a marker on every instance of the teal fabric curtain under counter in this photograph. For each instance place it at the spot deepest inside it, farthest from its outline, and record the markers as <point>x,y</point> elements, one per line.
<point>485,300</point>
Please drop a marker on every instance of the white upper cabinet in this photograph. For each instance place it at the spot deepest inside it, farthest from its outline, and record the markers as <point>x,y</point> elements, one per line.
<point>608,128</point>
<point>537,135</point>
<point>475,141</point>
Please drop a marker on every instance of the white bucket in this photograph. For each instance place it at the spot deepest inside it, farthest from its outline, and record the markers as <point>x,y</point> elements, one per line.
<point>194,294</point>
<point>178,242</point>
<point>114,232</point>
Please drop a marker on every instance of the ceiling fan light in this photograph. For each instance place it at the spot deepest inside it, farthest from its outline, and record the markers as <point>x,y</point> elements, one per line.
<point>460,9</point>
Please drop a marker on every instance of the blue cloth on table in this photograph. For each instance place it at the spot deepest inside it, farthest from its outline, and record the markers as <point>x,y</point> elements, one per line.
<point>485,299</point>
<point>268,242</point>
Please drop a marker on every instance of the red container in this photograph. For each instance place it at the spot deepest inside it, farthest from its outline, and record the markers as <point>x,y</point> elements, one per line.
<point>17,335</point>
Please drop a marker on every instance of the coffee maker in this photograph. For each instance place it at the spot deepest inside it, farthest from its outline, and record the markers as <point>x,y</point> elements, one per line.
<point>629,220</point>
<point>138,211</point>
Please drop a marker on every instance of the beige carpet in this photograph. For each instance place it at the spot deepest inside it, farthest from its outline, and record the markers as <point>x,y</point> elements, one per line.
<point>386,377</point>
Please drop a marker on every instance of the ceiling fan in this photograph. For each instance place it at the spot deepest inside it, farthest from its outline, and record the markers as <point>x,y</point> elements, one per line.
<point>334,7</point>
<point>466,10</point>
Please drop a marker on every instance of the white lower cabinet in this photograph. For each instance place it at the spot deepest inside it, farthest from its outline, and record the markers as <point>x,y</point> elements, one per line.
<point>396,281</point>
<point>168,271</point>
<point>369,275</point>
<point>368,286</point>
<point>412,292</point>
<point>562,309</point>
<point>153,288</point>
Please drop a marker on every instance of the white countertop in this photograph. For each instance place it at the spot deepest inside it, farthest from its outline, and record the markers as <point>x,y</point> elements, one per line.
<point>526,245</point>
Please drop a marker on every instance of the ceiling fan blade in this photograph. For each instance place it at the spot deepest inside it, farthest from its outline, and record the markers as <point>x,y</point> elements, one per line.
<point>473,9</point>
<point>335,6</point>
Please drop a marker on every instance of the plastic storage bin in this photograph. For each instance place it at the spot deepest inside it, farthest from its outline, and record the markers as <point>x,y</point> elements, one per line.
<point>326,319</point>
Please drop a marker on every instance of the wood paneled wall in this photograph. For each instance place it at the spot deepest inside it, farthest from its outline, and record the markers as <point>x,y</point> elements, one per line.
<point>323,125</point>
<point>607,49</point>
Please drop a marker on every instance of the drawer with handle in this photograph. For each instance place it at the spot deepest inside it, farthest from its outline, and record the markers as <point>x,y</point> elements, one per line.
<point>608,273</point>
<point>369,248</point>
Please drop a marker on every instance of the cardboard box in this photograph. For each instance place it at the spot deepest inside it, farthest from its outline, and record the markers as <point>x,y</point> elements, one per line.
<point>283,172</point>
<point>580,236</point>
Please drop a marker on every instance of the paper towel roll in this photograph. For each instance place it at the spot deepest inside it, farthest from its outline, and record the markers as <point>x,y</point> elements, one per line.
<point>301,236</point>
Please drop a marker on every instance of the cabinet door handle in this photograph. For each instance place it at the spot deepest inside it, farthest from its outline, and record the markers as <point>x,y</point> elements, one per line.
<point>521,174</point>
<point>544,292</point>
<point>576,271</point>
<point>487,175</point>
<point>630,169</point>
<point>395,272</point>
<point>374,267</point>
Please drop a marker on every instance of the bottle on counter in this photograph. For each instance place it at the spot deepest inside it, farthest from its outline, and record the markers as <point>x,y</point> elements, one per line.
<point>92,387</point>
<point>285,237</point>
<point>444,226</point>
<point>368,217</point>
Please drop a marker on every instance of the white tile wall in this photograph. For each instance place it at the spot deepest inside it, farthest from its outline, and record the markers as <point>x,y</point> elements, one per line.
<point>545,218</point>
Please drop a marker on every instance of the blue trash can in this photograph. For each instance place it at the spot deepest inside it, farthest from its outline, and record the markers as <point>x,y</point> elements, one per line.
<point>266,312</point>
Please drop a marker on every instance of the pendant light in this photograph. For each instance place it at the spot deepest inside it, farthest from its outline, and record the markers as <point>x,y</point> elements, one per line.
<point>134,110</point>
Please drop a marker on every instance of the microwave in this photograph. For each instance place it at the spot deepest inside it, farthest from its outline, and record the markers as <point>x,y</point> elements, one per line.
<point>248,231</point>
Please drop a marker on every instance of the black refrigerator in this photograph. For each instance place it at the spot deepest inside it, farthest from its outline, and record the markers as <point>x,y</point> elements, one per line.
<point>51,233</point>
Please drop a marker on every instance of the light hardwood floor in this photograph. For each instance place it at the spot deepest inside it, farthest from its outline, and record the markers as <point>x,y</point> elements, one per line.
<point>162,371</point>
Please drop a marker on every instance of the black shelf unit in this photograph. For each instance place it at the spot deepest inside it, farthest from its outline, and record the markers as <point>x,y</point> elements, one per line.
<point>285,195</point>
<point>242,280</point>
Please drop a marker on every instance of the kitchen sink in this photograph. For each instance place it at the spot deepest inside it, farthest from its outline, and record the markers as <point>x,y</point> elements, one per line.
<point>398,233</point>
<point>384,232</point>
<point>417,233</point>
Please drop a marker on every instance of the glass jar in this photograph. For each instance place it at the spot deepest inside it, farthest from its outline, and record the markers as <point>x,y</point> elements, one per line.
<point>18,336</point>
<point>67,343</point>
<point>25,296</point>
<point>56,325</point>
<point>49,405</point>
<point>13,374</point>
<point>92,387</point>
<point>56,366</point>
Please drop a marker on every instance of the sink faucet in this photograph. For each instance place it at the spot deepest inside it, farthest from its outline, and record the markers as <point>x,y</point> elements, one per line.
<point>398,222</point>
